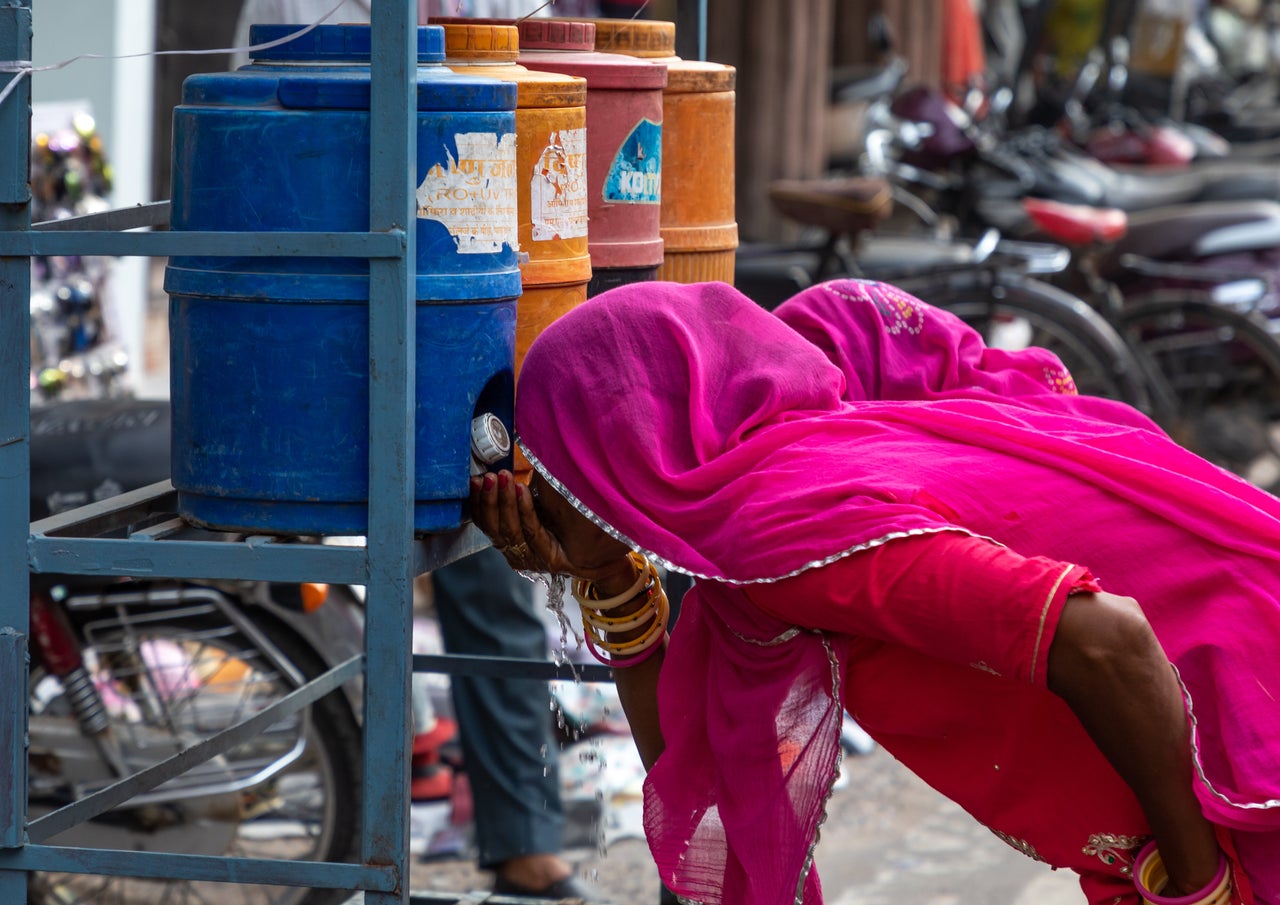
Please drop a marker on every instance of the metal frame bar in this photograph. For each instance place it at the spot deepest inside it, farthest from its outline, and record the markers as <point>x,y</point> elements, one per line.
<point>390,244</point>
<point>154,214</point>
<point>176,866</point>
<point>13,754</point>
<point>511,668</point>
<point>15,436</point>
<point>106,538</point>
<point>392,309</point>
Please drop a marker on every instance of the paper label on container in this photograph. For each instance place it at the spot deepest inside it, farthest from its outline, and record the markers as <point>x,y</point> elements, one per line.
<point>558,190</point>
<point>635,176</point>
<point>475,195</point>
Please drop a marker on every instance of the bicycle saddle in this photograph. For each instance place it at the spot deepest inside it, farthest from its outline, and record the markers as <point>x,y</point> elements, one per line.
<point>843,206</point>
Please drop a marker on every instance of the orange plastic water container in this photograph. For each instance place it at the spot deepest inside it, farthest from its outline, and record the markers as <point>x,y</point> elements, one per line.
<point>699,229</point>
<point>551,170</point>
<point>624,146</point>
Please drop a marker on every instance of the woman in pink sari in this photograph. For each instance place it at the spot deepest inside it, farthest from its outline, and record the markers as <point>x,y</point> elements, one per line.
<point>1035,600</point>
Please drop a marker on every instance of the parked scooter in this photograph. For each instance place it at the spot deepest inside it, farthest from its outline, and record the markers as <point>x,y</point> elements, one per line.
<point>125,673</point>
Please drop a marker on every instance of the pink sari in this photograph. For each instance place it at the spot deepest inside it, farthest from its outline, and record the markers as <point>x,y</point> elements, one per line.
<point>889,347</point>
<point>704,431</point>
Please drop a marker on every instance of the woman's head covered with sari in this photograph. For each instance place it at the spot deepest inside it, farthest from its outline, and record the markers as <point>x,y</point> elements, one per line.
<point>705,430</point>
<point>661,408</point>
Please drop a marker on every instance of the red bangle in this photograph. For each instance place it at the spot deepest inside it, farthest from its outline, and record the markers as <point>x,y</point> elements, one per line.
<point>624,662</point>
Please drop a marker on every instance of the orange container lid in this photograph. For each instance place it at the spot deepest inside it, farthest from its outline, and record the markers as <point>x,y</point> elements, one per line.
<point>692,76</point>
<point>637,37</point>
<point>655,39</point>
<point>471,40</point>
<point>474,45</point>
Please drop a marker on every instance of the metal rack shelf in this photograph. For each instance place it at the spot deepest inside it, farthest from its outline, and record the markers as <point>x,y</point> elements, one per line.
<point>139,534</point>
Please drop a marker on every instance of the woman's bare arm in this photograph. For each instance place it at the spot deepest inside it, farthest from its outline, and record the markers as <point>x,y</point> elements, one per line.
<point>1107,664</point>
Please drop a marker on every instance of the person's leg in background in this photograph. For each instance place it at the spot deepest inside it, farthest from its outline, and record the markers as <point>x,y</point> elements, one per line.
<point>504,726</point>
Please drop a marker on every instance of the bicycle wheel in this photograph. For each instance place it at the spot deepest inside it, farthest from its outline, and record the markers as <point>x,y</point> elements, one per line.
<point>1016,312</point>
<point>1223,367</point>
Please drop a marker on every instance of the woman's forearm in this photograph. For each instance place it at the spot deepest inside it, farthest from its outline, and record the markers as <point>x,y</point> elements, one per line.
<point>1107,664</point>
<point>638,692</point>
<point>637,685</point>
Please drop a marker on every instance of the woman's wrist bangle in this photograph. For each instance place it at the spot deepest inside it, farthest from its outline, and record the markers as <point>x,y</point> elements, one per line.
<point>625,652</point>
<point>657,623</point>
<point>1150,877</point>
<point>584,590</point>
<point>631,620</point>
<point>624,662</point>
<point>635,645</point>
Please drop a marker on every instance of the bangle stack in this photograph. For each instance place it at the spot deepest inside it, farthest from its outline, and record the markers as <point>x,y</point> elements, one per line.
<point>1150,876</point>
<point>598,626</point>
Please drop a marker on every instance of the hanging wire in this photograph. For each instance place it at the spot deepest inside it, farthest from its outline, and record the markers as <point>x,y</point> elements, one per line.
<point>535,11</point>
<point>24,68</point>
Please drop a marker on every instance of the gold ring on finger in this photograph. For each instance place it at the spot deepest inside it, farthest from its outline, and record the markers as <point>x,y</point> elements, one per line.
<point>517,551</point>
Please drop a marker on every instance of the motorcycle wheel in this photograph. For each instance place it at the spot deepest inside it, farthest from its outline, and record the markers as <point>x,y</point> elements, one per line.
<point>191,676</point>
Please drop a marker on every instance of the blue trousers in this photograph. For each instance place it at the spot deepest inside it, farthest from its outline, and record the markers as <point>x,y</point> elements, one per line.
<point>505,725</point>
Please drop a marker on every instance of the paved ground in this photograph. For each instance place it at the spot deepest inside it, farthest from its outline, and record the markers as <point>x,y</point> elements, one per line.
<point>889,840</point>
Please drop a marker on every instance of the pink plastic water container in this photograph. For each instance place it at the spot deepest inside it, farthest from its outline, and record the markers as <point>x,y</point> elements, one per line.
<point>624,146</point>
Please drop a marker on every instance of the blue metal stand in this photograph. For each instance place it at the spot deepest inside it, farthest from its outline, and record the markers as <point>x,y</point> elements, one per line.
<point>137,535</point>
<point>15,418</point>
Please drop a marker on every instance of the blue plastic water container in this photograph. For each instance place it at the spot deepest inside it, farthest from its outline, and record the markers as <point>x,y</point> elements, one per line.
<point>269,357</point>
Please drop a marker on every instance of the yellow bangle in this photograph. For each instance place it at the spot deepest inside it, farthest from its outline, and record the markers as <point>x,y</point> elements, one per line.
<point>622,623</point>
<point>1150,878</point>
<point>584,589</point>
<point>637,645</point>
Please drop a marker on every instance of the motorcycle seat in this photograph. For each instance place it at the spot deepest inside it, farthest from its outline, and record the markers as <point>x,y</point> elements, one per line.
<point>1076,224</point>
<point>92,449</point>
<point>1188,231</point>
<point>841,206</point>
<point>1142,188</point>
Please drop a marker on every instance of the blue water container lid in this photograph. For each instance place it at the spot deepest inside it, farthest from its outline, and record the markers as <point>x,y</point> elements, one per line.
<point>446,91</point>
<point>334,44</point>
<point>329,89</point>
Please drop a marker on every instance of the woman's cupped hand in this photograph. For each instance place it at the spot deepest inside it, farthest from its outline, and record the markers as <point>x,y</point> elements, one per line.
<point>537,530</point>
